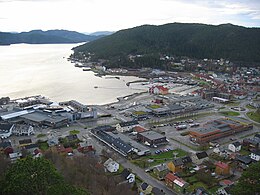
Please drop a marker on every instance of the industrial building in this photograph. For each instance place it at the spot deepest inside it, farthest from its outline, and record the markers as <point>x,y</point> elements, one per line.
<point>151,138</point>
<point>39,111</point>
<point>219,128</point>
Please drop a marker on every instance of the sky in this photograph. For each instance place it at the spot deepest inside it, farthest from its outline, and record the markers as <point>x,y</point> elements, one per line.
<point>113,15</point>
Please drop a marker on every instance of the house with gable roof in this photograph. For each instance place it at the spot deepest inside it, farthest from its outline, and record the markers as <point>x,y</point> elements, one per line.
<point>158,89</point>
<point>176,183</point>
<point>235,147</point>
<point>199,157</point>
<point>111,165</point>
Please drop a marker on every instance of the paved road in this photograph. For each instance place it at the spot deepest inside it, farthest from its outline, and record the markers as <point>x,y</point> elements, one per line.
<point>145,176</point>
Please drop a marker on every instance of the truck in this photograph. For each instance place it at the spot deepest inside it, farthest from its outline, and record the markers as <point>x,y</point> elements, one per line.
<point>181,127</point>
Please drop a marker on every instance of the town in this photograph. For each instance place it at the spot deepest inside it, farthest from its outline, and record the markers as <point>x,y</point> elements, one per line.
<point>188,133</point>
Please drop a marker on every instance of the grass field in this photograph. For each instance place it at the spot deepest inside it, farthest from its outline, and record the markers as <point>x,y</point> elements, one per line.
<point>230,113</point>
<point>155,106</point>
<point>254,116</point>
<point>233,103</point>
<point>74,132</point>
<point>43,146</point>
<point>158,158</point>
<point>41,135</point>
<point>250,107</point>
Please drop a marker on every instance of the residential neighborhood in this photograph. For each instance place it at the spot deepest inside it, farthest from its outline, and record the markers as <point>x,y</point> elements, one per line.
<point>178,137</point>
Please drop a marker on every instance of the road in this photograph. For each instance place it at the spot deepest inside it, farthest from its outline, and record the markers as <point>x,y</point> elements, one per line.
<point>145,176</point>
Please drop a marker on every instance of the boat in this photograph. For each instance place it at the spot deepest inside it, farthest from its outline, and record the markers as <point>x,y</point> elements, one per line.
<point>86,69</point>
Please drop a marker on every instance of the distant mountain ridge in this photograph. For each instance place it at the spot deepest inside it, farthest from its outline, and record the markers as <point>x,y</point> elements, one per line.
<point>98,33</point>
<point>41,37</point>
<point>200,41</point>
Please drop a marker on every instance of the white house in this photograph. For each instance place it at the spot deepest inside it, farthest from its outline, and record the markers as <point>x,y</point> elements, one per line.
<point>234,147</point>
<point>126,126</point>
<point>111,165</point>
<point>128,176</point>
<point>255,155</point>
<point>15,156</point>
<point>199,157</point>
<point>23,130</point>
<point>6,130</point>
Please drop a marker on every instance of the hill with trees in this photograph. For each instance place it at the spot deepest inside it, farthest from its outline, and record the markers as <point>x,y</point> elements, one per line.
<point>59,175</point>
<point>235,43</point>
<point>41,37</point>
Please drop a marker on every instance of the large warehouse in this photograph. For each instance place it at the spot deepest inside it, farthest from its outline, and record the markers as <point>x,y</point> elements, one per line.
<point>151,138</point>
<point>219,128</point>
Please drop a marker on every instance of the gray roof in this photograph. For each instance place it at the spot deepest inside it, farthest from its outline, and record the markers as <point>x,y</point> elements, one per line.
<point>5,144</point>
<point>256,152</point>
<point>42,116</point>
<point>201,155</point>
<point>35,117</point>
<point>244,159</point>
<point>128,123</point>
<point>152,135</point>
<point>161,167</point>
<point>174,107</point>
<point>106,128</point>
<point>5,127</point>
<point>236,144</point>
<point>117,142</point>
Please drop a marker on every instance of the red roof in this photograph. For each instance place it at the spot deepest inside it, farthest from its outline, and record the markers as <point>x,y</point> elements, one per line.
<point>222,165</point>
<point>226,182</point>
<point>162,88</point>
<point>69,150</point>
<point>139,129</point>
<point>170,177</point>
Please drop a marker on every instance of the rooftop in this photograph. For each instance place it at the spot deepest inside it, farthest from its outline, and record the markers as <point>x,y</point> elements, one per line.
<point>128,123</point>
<point>152,135</point>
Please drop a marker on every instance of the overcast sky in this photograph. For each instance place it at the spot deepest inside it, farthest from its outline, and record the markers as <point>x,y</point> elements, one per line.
<point>113,15</point>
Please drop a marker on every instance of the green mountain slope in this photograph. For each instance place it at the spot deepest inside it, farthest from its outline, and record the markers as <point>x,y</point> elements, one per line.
<point>193,40</point>
<point>39,37</point>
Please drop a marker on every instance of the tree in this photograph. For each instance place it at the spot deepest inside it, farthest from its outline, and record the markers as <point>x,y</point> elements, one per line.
<point>35,176</point>
<point>249,182</point>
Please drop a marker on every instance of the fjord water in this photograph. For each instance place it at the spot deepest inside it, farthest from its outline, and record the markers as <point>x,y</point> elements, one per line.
<point>43,69</point>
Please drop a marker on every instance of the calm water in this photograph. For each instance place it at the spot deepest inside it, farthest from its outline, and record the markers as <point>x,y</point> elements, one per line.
<point>27,70</point>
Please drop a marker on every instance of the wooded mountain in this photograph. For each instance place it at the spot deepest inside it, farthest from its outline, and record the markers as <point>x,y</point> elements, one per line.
<point>41,37</point>
<point>200,41</point>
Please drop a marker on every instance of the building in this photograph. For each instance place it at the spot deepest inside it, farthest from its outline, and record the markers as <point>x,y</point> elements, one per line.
<point>126,126</point>
<point>235,147</point>
<point>219,128</point>
<point>222,168</point>
<point>25,142</point>
<point>158,90</point>
<point>111,165</point>
<point>226,190</point>
<point>160,171</point>
<point>116,143</point>
<point>43,118</point>
<point>6,130</point>
<point>177,165</point>
<point>15,156</point>
<point>6,147</point>
<point>128,176</point>
<point>145,189</point>
<point>199,157</point>
<point>255,155</point>
<point>175,183</point>
<point>23,130</point>
<point>151,138</point>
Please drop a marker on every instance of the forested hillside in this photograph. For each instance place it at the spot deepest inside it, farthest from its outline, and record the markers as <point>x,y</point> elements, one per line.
<point>200,41</point>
